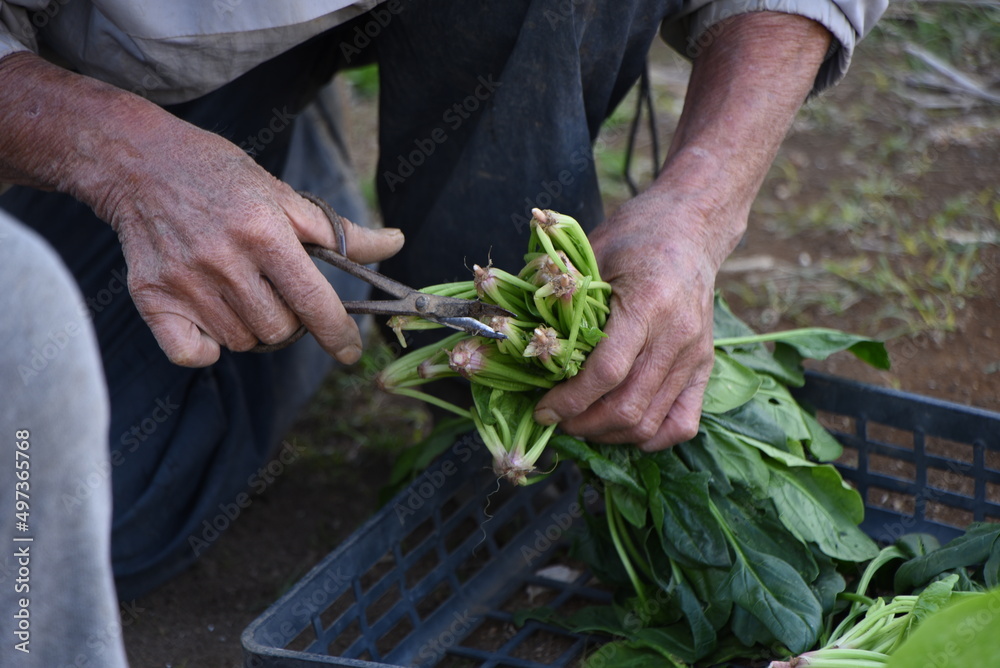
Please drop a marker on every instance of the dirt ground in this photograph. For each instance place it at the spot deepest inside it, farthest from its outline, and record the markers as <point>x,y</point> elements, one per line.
<point>880,216</point>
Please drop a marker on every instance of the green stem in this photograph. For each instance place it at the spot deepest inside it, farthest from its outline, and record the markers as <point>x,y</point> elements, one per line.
<point>511,373</point>
<point>856,598</point>
<point>490,437</point>
<point>513,385</point>
<point>503,302</point>
<point>598,304</point>
<point>539,446</point>
<point>612,513</point>
<point>502,422</point>
<point>550,250</point>
<point>845,663</point>
<point>431,399</point>
<point>465,289</point>
<point>844,658</point>
<point>574,330</point>
<point>638,559</point>
<point>522,433</point>
<point>544,309</point>
<point>514,280</point>
<point>574,242</point>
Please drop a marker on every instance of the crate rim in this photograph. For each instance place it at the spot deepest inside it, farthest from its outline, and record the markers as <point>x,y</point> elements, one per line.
<point>814,381</point>
<point>944,404</point>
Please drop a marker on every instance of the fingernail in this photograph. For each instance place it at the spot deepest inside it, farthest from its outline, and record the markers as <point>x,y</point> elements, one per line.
<point>547,416</point>
<point>389,232</point>
<point>349,354</point>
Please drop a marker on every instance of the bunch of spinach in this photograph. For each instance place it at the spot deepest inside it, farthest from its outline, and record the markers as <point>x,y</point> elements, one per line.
<point>724,545</point>
<point>941,595</point>
<point>731,544</point>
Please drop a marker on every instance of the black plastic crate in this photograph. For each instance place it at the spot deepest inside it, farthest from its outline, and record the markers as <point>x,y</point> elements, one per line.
<point>433,579</point>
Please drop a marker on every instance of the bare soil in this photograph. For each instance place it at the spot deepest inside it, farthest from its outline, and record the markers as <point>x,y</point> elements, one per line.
<point>774,280</point>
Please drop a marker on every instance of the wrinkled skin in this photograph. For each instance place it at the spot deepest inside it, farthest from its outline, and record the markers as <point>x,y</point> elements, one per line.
<point>661,251</point>
<point>212,241</point>
<point>226,267</point>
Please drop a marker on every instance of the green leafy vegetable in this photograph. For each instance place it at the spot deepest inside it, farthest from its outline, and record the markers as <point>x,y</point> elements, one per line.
<point>720,547</point>
<point>949,622</point>
<point>962,634</point>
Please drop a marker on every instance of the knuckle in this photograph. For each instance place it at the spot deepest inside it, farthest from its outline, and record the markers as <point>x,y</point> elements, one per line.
<point>687,427</point>
<point>630,415</point>
<point>608,372</point>
<point>645,430</point>
<point>687,430</point>
<point>306,296</point>
<point>240,341</point>
<point>273,333</point>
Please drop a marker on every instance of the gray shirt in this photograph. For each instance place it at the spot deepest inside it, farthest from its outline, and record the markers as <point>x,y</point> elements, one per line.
<point>177,50</point>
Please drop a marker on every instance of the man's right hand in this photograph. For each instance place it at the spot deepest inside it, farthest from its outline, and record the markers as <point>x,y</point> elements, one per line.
<point>212,241</point>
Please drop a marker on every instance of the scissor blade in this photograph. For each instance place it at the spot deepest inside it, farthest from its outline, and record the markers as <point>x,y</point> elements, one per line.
<point>478,309</point>
<point>472,326</point>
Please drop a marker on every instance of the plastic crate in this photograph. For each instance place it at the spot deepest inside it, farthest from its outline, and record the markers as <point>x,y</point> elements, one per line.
<point>434,578</point>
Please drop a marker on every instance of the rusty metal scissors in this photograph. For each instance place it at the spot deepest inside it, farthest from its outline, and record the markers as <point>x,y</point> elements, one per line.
<point>461,314</point>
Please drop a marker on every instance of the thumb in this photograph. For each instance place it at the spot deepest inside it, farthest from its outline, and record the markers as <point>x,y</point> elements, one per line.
<point>364,245</point>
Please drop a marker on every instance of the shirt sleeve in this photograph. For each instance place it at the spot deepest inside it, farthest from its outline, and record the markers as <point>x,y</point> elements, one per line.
<point>847,20</point>
<point>17,30</point>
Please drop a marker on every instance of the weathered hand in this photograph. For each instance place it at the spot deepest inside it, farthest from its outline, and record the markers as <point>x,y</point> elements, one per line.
<point>644,383</point>
<point>214,249</point>
<point>212,241</point>
<point>662,250</point>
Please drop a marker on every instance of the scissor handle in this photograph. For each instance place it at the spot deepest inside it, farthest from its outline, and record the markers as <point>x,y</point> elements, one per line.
<point>449,311</point>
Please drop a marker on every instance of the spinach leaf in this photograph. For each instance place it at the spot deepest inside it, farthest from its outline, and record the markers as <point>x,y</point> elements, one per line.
<point>962,634</point>
<point>817,506</point>
<point>934,597</point>
<point>603,467</point>
<point>702,632</point>
<point>418,457</point>
<point>689,532</point>
<point>786,369</point>
<point>755,524</point>
<point>991,570</point>
<point>917,544</point>
<point>750,421</point>
<point>755,356</point>
<point>698,455</point>
<point>776,595</point>
<point>705,582</point>
<point>798,425</point>
<point>748,629</point>
<point>725,323</point>
<point>626,654</point>
<point>821,444</point>
<point>739,463</point>
<point>593,546</point>
<point>782,455</point>
<point>631,505</point>
<point>590,335</point>
<point>818,343</point>
<point>729,386</point>
<point>972,547</point>
<point>828,584</point>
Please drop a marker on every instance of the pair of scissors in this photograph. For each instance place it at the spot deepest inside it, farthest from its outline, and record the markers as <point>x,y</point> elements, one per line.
<point>460,314</point>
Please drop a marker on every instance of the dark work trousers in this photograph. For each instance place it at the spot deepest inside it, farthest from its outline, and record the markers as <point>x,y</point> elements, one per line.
<point>491,108</point>
<point>486,110</point>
